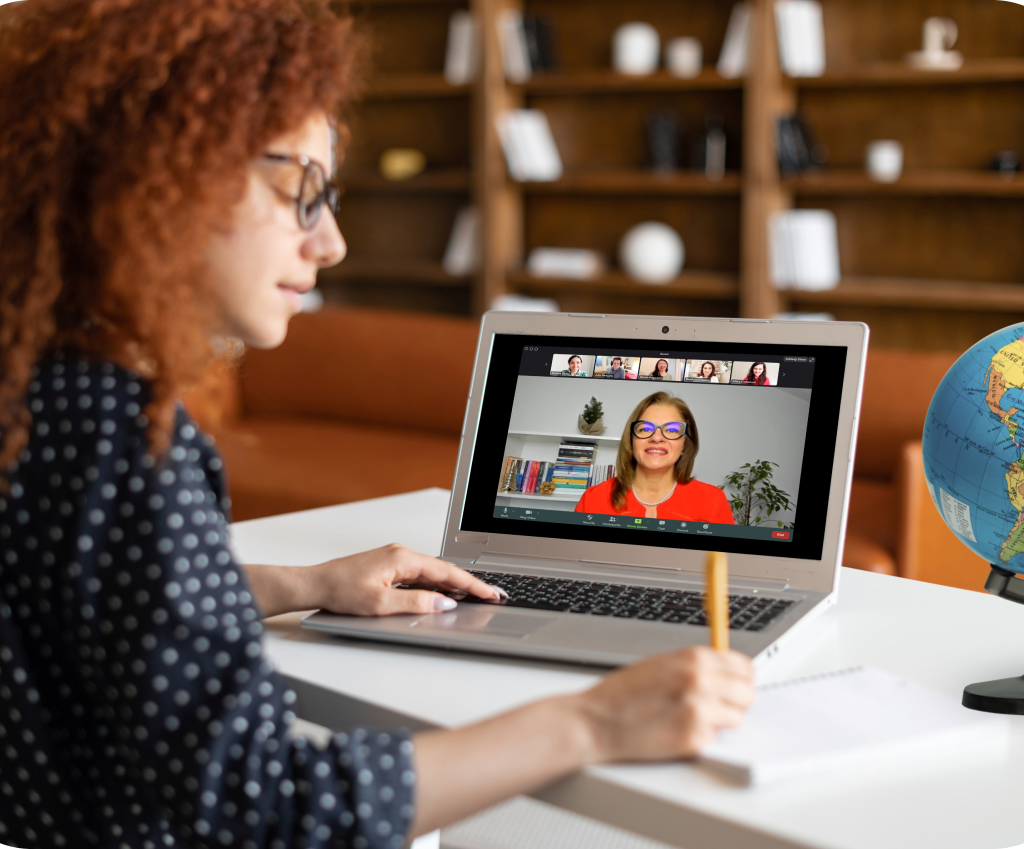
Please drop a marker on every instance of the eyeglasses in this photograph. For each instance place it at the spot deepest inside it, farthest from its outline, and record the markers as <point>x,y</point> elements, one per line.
<point>314,191</point>
<point>670,430</point>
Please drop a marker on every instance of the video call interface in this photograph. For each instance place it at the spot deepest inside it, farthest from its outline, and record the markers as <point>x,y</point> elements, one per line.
<point>577,454</point>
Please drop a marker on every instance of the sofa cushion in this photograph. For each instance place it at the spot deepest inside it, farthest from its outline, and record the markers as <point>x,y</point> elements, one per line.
<point>279,464</point>
<point>361,365</point>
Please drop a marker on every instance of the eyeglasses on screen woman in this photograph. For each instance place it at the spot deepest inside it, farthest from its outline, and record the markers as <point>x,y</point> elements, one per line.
<point>314,191</point>
<point>670,430</point>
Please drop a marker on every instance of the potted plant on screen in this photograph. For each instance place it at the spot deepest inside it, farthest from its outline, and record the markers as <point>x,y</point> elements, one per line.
<point>753,497</point>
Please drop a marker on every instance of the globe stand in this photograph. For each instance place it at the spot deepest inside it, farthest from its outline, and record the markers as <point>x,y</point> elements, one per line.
<point>1004,695</point>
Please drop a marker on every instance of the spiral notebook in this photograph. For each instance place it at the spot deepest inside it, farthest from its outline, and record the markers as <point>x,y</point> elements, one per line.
<point>828,722</point>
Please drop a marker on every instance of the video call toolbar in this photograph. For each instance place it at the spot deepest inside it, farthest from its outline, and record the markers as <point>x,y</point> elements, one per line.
<point>668,366</point>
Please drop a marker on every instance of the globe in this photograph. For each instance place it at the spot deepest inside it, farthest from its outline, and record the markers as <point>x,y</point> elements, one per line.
<point>974,448</point>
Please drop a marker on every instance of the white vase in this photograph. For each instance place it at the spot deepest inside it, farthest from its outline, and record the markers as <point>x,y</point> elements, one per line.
<point>636,48</point>
<point>652,252</point>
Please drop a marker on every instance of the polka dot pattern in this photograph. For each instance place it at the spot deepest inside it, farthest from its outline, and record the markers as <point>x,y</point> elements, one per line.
<point>136,706</point>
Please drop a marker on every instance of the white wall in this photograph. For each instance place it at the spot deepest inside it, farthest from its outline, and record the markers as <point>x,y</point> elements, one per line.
<point>737,424</point>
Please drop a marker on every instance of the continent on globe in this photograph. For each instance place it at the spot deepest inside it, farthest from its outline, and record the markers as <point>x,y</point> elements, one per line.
<point>1006,371</point>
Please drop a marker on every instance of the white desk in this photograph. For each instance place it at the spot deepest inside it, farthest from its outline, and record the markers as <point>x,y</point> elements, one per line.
<point>940,637</point>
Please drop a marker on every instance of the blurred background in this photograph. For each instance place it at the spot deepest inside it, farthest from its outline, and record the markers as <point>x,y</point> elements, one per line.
<point>855,160</point>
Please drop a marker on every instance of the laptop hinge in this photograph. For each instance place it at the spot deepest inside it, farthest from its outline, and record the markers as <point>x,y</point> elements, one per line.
<point>632,565</point>
<point>498,557</point>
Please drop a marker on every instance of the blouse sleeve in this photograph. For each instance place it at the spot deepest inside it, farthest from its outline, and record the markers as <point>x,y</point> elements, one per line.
<point>168,652</point>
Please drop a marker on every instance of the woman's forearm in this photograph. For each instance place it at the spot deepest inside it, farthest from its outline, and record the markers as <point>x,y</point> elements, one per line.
<point>466,770</point>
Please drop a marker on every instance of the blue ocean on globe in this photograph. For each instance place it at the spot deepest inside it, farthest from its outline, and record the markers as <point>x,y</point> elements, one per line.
<point>974,448</point>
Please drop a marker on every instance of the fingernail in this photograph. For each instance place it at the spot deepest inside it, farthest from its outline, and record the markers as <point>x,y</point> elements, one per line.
<point>498,591</point>
<point>445,603</point>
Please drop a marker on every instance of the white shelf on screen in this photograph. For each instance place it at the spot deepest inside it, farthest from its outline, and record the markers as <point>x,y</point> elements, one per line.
<point>573,437</point>
<point>534,496</point>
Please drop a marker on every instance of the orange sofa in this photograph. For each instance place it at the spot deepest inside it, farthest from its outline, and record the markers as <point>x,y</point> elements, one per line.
<point>893,526</point>
<point>356,404</point>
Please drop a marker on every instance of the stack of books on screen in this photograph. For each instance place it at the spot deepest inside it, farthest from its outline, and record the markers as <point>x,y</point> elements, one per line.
<point>601,474</point>
<point>573,467</point>
<point>524,476</point>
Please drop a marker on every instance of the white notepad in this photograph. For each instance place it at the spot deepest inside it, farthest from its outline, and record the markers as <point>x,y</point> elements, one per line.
<point>842,719</point>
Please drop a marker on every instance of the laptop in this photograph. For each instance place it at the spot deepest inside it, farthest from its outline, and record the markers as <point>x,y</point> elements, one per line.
<point>772,408</point>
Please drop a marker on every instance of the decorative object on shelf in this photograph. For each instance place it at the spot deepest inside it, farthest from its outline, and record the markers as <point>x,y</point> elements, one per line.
<point>709,150</point>
<point>590,420</point>
<point>402,163</point>
<point>462,60</point>
<point>652,252</point>
<point>753,497</point>
<point>462,256</point>
<point>796,146</point>
<point>684,57</point>
<point>523,303</point>
<point>884,160</point>
<point>515,52</point>
<point>636,48</point>
<point>547,488</point>
<point>939,35</point>
<point>530,149</point>
<point>663,134</point>
<point>735,55</point>
<point>800,29</point>
<point>1006,162</point>
<point>508,474</point>
<point>804,249</point>
<point>565,263</point>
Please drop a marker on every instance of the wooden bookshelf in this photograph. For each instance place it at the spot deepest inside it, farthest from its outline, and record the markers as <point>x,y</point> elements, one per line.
<point>932,260</point>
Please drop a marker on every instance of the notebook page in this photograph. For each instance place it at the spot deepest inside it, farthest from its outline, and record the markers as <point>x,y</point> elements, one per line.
<point>826,722</point>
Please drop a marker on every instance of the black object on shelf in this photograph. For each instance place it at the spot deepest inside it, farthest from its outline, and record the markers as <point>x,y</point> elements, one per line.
<point>1004,695</point>
<point>796,147</point>
<point>664,131</point>
<point>1005,162</point>
<point>540,43</point>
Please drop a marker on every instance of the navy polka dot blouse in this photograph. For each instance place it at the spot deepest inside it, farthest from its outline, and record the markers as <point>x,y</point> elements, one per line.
<point>136,707</point>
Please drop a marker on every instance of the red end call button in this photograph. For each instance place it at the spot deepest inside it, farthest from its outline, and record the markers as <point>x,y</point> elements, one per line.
<point>780,534</point>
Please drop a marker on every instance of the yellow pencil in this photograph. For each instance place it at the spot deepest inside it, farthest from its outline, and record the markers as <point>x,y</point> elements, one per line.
<point>717,601</point>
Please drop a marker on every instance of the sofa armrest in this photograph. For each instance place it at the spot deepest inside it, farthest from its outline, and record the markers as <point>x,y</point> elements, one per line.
<point>927,549</point>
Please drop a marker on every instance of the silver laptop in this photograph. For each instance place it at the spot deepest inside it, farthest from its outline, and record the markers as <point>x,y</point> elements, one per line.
<point>540,504</point>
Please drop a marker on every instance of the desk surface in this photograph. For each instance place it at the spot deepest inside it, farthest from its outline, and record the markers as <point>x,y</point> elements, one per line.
<point>940,637</point>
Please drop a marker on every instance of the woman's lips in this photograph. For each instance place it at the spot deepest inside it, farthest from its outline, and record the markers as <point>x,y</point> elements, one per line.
<point>293,294</point>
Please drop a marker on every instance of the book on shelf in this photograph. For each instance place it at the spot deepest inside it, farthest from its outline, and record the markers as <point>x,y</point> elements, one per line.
<point>462,256</point>
<point>529,147</point>
<point>804,249</point>
<point>523,476</point>
<point>515,51</point>
<point>735,55</point>
<point>462,60</point>
<point>800,29</point>
<point>540,44</point>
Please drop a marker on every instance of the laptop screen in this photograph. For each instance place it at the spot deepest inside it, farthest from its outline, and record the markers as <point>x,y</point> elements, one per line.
<point>703,445</point>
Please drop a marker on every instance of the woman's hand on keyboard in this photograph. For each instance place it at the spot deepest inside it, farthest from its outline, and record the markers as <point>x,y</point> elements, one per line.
<point>366,584</point>
<point>668,706</point>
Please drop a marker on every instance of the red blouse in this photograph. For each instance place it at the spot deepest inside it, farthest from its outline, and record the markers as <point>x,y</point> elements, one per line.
<point>691,502</point>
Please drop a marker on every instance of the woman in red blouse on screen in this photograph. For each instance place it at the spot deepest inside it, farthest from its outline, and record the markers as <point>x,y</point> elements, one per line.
<point>654,469</point>
<point>758,375</point>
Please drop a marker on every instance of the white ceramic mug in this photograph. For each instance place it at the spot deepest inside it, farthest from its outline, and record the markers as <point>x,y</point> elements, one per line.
<point>636,49</point>
<point>684,57</point>
<point>939,35</point>
<point>885,160</point>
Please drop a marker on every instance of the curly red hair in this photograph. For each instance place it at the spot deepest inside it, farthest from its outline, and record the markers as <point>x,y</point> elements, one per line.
<point>129,126</point>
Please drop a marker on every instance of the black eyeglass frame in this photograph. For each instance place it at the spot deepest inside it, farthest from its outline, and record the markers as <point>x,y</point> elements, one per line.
<point>657,427</point>
<point>309,214</point>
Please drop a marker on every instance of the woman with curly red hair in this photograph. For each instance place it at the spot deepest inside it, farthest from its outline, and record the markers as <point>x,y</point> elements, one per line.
<point>164,171</point>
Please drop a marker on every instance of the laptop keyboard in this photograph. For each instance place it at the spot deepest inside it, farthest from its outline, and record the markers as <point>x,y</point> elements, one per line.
<point>746,612</point>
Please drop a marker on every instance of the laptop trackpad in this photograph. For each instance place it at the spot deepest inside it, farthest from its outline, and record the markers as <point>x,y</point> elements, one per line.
<point>481,620</point>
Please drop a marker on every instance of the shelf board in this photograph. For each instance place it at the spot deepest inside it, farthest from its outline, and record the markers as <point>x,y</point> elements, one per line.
<point>534,497</point>
<point>399,270</point>
<point>447,180</point>
<point>921,293</point>
<point>412,86</point>
<point>608,80</point>
<point>636,182</point>
<point>696,285</point>
<point>568,437</point>
<point>853,181</point>
<point>900,74</point>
